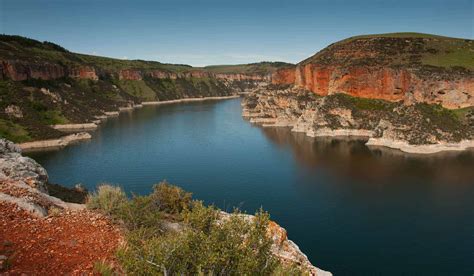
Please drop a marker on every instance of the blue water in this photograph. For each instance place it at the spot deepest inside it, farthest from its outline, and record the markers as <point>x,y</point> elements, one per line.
<point>352,210</point>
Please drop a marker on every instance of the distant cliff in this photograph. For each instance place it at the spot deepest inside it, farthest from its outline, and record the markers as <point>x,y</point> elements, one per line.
<point>407,67</point>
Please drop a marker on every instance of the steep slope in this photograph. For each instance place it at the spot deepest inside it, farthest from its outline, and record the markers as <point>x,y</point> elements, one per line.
<point>408,67</point>
<point>43,84</point>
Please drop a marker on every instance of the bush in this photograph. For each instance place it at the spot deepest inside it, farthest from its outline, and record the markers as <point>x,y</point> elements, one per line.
<point>108,199</point>
<point>140,212</point>
<point>171,199</point>
<point>236,245</point>
<point>206,241</point>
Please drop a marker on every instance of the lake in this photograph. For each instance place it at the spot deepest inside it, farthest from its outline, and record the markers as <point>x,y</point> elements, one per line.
<point>351,209</point>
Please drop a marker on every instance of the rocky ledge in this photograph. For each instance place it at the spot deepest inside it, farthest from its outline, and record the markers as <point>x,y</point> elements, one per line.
<point>414,128</point>
<point>44,224</point>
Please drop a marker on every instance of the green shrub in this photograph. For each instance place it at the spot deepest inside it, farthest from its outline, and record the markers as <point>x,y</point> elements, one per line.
<point>171,199</point>
<point>140,212</point>
<point>232,246</point>
<point>208,242</point>
<point>108,199</point>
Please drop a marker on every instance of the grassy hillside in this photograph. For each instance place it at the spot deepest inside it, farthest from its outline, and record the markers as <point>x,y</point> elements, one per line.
<point>400,49</point>
<point>21,48</point>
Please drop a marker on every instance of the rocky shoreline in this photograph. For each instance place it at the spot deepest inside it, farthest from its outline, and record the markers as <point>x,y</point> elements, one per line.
<point>55,143</point>
<point>420,149</point>
<point>413,129</point>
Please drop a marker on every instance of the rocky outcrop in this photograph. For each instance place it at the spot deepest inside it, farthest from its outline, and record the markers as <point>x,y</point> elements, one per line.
<point>383,83</point>
<point>83,72</point>
<point>19,71</point>
<point>23,182</point>
<point>283,248</point>
<point>284,76</point>
<point>387,68</point>
<point>15,167</point>
<point>130,74</point>
<point>422,128</point>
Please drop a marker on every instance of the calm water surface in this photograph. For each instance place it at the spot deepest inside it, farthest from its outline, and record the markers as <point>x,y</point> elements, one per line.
<point>350,209</point>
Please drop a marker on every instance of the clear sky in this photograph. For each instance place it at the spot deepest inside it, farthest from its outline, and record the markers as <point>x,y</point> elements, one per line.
<point>224,32</point>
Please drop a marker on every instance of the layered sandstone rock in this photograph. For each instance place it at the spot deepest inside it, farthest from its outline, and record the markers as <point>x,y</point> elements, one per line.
<point>83,72</point>
<point>385,68</point>
<point>19,71</point>
<point>130,74</point>
<point>284,76</point>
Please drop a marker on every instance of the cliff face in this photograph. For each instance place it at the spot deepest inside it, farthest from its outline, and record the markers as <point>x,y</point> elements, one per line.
<point>396,69</point>
<point>284,76</point>
<point>21,70</point>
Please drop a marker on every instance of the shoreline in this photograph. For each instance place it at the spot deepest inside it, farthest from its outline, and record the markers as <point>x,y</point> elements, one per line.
<point>191,100</point>
<point>79,133</point>
<point>403,146</point>
<point>55,143</point>
<point>420,149</point>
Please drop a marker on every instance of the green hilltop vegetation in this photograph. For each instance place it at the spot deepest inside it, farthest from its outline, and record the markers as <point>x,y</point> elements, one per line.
<point>404,49</point>
<point>13,47</point>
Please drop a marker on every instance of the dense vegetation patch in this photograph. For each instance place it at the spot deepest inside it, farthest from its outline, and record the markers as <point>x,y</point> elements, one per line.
<point>171,234</point>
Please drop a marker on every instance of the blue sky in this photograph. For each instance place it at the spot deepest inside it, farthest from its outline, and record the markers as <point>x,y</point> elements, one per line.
<point>221,31</point>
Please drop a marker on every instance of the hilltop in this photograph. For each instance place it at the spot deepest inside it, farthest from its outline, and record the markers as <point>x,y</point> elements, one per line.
<point>399,50</point>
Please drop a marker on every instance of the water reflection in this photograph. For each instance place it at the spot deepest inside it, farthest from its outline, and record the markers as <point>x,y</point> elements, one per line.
<point>351,158</point>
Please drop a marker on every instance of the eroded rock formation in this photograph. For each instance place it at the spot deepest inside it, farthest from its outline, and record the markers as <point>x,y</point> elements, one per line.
<point>417,128</point>
<point>393,69</point>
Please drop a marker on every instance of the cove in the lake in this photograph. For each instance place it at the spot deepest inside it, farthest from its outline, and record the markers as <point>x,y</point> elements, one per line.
<point>351,209</point>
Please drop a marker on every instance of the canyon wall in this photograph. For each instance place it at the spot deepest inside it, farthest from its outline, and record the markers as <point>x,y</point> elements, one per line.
<point>407,68</point>
<point>386,83</point>
<point>21,70</point>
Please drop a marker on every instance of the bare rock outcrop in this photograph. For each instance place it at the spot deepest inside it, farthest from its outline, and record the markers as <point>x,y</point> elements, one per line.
<point>394,68</point>
<point>416,128</point>
<point>23,182</point>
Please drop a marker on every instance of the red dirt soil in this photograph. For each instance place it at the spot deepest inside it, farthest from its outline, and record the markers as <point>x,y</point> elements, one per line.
<point>68,243</point>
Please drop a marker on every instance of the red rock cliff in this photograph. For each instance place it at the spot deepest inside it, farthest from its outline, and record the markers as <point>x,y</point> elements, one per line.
<point>366,68</point>
<point>84,72</point>
<point>19,71</point>
<point>284,76</point>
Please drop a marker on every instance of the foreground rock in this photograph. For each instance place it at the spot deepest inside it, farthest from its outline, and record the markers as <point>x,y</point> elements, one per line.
<point>284,249</point>
<point>67,243</point>
<point>41,234</point>
<point>416,128</point>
